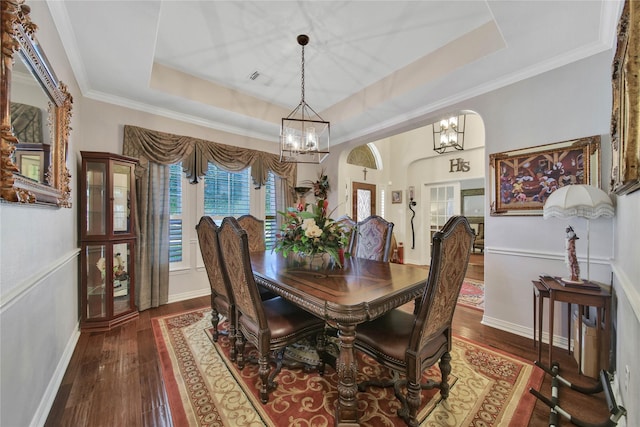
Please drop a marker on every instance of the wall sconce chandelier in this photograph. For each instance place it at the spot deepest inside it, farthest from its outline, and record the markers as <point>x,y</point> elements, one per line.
<point>449,134</point>
<point>304,135</point>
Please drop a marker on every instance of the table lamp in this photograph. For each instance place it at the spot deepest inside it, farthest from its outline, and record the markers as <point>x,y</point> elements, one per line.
<point>578,200</point>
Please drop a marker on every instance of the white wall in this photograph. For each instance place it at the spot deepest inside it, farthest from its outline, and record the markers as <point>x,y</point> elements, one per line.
<point>38,279</point>
<point>38,246</point>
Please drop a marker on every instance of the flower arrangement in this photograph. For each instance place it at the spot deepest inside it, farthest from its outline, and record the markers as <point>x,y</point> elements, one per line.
<point>321,186</point>
<point>307,230</point>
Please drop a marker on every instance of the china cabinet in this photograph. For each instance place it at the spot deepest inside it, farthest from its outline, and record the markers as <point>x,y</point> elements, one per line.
<point>107,240</point>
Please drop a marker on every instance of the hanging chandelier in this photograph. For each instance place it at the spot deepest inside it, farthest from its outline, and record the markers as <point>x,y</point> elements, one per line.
<point>304,135</point>
<point>449,134</point>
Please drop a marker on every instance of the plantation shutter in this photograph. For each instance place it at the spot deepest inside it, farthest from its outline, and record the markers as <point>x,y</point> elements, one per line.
<point>270,211</point>
<point>175,211</point>
<point>226,193</point>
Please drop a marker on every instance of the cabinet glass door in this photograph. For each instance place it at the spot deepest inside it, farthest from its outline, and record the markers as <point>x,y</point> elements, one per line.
<point>96,268</point>
<point>121,280</point>
<point>121,192</point>
<point>96,200</point>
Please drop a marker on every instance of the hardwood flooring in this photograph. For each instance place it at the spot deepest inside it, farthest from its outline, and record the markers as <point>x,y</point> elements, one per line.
<point>114,378</point>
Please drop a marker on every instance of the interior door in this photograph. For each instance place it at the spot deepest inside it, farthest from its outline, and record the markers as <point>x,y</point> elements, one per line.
<point>444,202</point>
<point>363,198</point>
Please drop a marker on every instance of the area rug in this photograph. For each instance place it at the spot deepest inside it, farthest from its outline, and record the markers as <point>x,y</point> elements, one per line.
<point>490,388</point>
<point>472,294</point>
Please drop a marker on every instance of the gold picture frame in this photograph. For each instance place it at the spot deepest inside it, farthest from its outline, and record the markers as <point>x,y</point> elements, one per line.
<point>523,179</point>
<point>625,129</point>
<point>396,196</point>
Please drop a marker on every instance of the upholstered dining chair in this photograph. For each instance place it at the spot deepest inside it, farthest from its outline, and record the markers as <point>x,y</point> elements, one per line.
<point>221,296</point>
<point>410,343</point>
<point>269,325</point>
<point>372,239</point>
<point>255,232</point>
<point>349,227</point>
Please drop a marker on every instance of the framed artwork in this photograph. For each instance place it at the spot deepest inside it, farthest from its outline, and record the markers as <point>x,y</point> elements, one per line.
<point>472,205</point>
<point>625,118</point>
<point>523,179</point>
<point>396,196</point>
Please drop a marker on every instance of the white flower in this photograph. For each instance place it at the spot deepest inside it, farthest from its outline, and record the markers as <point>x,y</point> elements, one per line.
<point>308,223</point>
<point>313,231</point>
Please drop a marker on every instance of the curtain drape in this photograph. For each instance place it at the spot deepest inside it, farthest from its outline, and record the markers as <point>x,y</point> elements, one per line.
<point>155,152</point>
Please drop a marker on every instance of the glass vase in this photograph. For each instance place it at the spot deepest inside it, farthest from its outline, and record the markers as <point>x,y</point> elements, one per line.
<point>316,261</point>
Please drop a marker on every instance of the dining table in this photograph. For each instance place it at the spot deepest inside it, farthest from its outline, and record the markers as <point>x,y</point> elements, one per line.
<point>360,291</point>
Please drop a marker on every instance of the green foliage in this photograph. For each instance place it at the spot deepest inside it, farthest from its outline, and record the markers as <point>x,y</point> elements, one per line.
<point>308,230</point>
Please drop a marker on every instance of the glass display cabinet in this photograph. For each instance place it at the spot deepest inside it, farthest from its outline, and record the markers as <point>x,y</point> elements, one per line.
<point>107,240</point>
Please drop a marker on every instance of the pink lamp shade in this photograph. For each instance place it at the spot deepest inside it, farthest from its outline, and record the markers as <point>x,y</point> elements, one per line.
<point>578,200</point>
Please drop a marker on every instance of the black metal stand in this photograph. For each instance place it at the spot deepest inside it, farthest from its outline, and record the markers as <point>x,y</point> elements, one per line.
<point>615,411</point>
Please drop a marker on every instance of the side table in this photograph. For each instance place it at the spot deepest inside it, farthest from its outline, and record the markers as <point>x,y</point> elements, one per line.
<point>588,296</point>
<point>540,292</point>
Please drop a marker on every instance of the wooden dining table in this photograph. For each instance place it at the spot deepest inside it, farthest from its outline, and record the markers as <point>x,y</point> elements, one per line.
<point>344,297</point>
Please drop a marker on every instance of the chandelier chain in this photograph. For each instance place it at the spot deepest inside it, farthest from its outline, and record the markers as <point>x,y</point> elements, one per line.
<point>302,81</point>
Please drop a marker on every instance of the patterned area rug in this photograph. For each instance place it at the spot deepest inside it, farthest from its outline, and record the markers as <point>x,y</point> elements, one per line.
<point>490,388</point>
<point>472,294</point>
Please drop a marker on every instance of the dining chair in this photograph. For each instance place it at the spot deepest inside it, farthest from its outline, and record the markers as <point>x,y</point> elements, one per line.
<point>269,325</point>
<point>372,239</point>
<point>255,232</point>
<point>222,302</point>
<point>410,343</point>
<point>349,227</point>
<point>479,242</point>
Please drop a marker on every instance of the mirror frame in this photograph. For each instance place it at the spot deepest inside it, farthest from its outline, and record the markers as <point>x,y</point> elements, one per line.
<point>18,38</point>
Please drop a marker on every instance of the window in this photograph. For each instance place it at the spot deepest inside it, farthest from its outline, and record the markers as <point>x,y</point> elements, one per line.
<point>175,212</point>
<point>270,212</point>
<point>226,193</point>
<point>219,194</point>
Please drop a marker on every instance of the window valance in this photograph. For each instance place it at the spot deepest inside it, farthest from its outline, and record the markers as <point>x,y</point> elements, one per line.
<point>194,153</point>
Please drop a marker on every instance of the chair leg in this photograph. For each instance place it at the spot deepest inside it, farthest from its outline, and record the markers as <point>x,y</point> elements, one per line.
<point>232,343</point>
<point>321,348</point>
<point>445,370</point>
<point>263,373</point>
<point>240,350</point>
<point>215,319</point>
<point>414,399</point>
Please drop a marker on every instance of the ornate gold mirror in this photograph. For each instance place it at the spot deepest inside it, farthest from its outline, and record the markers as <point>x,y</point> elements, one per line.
<point>35,110</point>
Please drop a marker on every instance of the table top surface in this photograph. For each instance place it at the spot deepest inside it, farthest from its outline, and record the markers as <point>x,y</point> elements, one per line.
<point>362,290</point>
<point>554,284</point>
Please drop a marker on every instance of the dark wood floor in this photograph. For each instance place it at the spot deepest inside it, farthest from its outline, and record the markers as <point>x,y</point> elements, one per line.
<point>114,378</point>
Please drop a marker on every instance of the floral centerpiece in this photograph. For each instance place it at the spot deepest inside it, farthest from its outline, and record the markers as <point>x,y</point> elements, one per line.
<point>307,231</point>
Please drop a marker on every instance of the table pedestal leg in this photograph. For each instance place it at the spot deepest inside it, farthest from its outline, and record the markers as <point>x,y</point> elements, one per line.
<point>346,366</point>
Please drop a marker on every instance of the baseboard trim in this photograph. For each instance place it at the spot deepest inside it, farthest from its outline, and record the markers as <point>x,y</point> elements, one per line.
<point>558,341</point>
<point>40,417</point>
<point>189,295</point>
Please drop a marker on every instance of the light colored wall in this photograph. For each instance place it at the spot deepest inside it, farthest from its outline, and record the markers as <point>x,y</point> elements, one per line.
<point>38,279</point>
<point>38,246</point>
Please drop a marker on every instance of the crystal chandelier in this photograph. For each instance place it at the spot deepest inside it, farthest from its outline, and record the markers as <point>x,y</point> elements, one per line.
<point>304,135</point>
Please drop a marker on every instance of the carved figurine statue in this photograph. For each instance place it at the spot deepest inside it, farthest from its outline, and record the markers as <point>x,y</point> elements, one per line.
<point>571,258</point>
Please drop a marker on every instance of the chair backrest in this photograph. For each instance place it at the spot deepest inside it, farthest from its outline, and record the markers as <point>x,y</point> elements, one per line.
<point>349,227</point>
<point>451,250</point>
<point>255,232</point>
<point>234,246</point>
<point>210,248</point>
<point>373,239</point>
<point>480,234</point>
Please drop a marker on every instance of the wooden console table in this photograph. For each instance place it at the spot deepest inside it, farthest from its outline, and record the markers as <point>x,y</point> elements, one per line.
<point>599,298</point>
